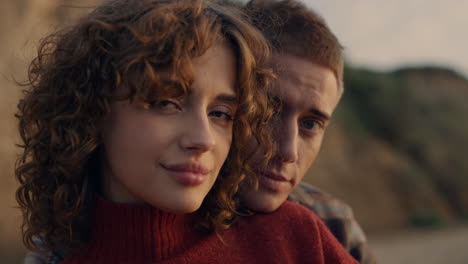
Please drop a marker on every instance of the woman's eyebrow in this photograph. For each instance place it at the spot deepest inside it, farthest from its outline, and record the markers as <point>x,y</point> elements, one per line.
<point>227,98</point>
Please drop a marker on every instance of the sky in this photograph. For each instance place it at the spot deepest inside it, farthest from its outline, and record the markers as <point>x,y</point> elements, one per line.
<point>388,34</point>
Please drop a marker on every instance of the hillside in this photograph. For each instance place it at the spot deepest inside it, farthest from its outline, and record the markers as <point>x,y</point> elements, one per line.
<point>396,150</point>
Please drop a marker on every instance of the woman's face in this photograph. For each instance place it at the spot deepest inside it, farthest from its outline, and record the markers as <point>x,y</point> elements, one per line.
<point>168,153</point>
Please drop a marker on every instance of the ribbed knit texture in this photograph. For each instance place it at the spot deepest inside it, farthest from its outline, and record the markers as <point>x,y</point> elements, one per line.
<point>124,233</point>
<point>132,232</point>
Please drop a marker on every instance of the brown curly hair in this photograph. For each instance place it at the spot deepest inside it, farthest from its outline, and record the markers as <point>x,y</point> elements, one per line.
<point>74,78</point>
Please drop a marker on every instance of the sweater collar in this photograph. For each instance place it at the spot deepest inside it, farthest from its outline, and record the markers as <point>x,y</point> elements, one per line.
<point>134,231</point>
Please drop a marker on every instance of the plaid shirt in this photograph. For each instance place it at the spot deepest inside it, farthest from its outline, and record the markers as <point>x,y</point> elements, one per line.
<point>339,218</point>
<point>45,257</point>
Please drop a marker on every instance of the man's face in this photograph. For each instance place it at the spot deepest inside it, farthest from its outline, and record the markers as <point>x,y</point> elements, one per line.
<point>307,94</point>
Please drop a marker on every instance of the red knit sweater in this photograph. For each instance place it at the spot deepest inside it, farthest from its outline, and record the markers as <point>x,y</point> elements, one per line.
<point>126,233</point>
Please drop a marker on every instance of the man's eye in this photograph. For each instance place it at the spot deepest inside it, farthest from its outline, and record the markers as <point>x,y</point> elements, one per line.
<point>310,124</point>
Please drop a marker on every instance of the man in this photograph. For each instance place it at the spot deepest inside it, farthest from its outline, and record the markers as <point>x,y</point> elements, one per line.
<point>308,61</point>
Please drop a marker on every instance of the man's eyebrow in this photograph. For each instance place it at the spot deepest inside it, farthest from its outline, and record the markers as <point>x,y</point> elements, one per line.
<point>320,114</point>
<point>227,98</point>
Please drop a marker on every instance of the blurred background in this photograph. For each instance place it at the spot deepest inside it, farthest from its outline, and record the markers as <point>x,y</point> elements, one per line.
<point>395,151</point>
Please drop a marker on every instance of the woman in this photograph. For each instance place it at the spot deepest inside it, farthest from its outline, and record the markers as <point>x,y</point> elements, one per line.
<point>135,128</point>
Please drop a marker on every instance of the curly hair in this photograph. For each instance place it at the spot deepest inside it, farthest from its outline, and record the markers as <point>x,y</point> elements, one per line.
<point>293,28</point>
<point>74,78</point>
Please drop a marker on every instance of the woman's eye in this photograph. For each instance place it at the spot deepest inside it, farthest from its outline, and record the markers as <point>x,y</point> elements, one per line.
<point>166,105</point>
<point>222,115</point>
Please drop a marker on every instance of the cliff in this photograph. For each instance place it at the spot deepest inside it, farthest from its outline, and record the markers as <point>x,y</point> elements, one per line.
<point>397,148</point>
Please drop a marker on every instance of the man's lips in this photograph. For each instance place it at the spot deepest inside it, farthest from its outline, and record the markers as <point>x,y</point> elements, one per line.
<point>275,176</point>
<point>274,182</point>
<point>190,173</point>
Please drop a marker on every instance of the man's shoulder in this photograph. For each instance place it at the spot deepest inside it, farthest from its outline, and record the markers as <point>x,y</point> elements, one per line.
<point>338,216</point>
<point>292,230</point>
<point>289,214</point>
<point>320,202</point>
<point>296,210</point>
<point>291,223</point>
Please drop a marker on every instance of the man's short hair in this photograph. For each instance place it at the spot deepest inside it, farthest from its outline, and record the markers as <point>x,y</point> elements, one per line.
<point>293,28</point>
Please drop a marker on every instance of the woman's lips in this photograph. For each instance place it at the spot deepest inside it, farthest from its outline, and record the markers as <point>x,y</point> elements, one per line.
<point>189,174</point>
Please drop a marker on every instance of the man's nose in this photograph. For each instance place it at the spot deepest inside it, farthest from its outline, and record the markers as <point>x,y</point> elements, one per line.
<point>286,134</point>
